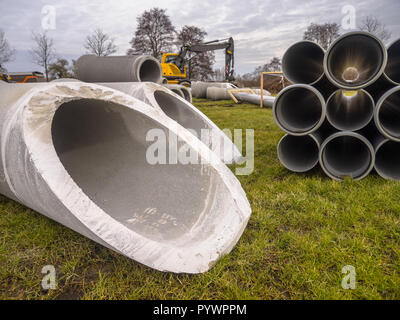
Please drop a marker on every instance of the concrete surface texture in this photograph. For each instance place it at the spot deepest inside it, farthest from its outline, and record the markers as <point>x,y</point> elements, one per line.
<point>76,153</point>
<point>188,116</point>
<point>133,68</point>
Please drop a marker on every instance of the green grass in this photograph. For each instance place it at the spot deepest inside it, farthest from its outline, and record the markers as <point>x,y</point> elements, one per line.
<point>304,228</point>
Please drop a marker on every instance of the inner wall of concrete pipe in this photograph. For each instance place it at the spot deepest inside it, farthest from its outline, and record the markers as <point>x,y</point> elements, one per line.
<point>303,62</point>
<point>387,160</point>
<point>149,70</point>
<point>103,148</point>
<point>388,114</point>
<point>347,154</point>
<point>350,110</point>
<point>298,154</point>
<point>299,109</point>
<point>177,110</point>
<point>355,60</point>
<point>392,70</point>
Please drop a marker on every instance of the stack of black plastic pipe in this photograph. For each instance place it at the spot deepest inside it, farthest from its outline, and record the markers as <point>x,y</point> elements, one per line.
<point>343,109</point>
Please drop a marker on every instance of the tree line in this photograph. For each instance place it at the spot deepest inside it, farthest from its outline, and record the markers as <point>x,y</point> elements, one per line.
<point>155,34</point>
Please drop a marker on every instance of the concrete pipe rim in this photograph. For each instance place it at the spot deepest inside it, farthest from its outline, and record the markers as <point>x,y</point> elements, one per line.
<point>363,124</point>
<point>378,166</point>
<point>285,163</point>
<point>395,45</point>
<point>152,75</point>
<point>377,74</point>
<point>377,115</point>
<point>316,124</point>
<point>364,140</point>
<point>292,47</point>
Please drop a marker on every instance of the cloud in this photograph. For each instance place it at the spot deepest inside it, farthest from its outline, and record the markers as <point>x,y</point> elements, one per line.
<point>261,29</point>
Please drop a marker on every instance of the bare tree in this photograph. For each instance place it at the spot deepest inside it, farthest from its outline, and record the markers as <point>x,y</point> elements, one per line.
<point>374,26</point>
<point>6,53</point>
<point>323,34</point>
<point>199,65</point>
<point>43,54</point>
<point>274,65</point>
<point>100,43</point>
<point>60,69</point>
<point>154,33</point>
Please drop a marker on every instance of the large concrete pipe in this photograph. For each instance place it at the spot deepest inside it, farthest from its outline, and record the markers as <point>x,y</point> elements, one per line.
<point>183,91</point>
<point>387,158</point>
<point>299,153</point>
<point>355,60</point>
<point>350,110</point>
<point>303,62</point>
<point>387,114</point>
<point>299,109</point>
<point>215,93</point>
<point>133,68</point>
<point>188,116</point>
<point>268,101</point>
<point>347,154</point>
<point>78,153</point>
<point>392,70</point>
<point>199,88</point>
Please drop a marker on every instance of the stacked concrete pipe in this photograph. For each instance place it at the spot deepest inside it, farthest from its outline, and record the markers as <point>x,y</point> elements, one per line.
<point>352,86</point>
<point>78,154</point>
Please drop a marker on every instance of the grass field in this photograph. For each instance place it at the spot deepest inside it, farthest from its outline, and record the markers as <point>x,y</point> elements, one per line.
<point>303,230</point>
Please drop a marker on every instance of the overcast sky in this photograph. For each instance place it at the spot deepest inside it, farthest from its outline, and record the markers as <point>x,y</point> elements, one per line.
<point>261,28</point>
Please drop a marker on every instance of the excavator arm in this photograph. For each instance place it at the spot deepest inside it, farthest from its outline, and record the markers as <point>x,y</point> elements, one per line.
<point>226,44</point>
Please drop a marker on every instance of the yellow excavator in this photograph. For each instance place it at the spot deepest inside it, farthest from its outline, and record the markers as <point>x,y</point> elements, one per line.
<point>174,64</point>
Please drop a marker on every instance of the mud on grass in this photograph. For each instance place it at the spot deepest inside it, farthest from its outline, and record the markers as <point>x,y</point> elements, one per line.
<point>303,230</point>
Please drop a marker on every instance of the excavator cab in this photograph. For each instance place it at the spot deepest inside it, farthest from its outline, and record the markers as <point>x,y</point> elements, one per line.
<point>170,70</point>
<point>173,64</point>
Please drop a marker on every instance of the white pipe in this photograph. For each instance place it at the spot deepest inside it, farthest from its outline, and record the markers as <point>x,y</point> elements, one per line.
<point>299,109</point>
<point>76,153</point>
<point>347,154</point>
<point>387,114</point>
<point>355,60</point>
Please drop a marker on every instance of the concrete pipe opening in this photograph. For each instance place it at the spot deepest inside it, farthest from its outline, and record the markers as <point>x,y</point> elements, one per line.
<point>298,154</point>
<point>346,154</point>
<point>355,60</point>
<point>387,160</point>
<point>350,110</point>
<point>299,109</point>
<point>79,154</point>
<point>387,114</point>
<point>392,70</point>
<point>149,70</point>
<point>303,62</point>
<point>103,148</point>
